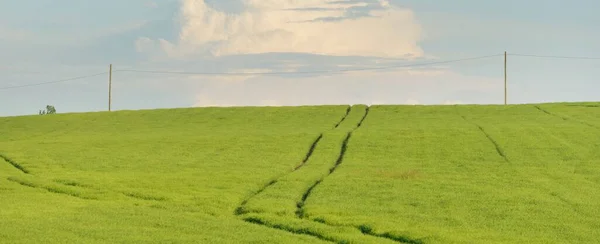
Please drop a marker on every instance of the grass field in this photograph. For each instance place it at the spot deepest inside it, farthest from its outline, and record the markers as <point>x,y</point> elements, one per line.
<point>322,174</point>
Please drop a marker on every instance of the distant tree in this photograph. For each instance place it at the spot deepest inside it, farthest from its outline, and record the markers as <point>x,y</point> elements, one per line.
<point>49,110</point>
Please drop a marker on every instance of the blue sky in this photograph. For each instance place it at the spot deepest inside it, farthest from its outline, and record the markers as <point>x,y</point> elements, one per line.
<point>43,40</point>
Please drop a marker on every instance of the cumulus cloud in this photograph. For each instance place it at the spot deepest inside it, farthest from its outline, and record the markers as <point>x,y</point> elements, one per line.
<point>144,44</point>
<point>325,27</point>
<point>382,33</point>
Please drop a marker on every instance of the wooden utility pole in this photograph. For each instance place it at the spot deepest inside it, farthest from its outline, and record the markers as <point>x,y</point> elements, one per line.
<point>505,90</point>
<point>109,86</point>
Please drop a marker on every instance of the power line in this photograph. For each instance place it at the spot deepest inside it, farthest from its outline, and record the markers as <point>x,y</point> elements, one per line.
<point>51,82</point>
<point>253,73</point>
<point>304,72</point>
<point>545,56</point>
<point>296,72</point>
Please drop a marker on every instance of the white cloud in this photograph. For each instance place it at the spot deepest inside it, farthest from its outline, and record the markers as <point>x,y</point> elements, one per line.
<point>144,44</point>
<point>293,26</point>
<point>266,26</point>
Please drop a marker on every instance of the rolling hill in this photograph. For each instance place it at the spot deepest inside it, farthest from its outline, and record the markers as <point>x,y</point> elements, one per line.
<point>310,174</point>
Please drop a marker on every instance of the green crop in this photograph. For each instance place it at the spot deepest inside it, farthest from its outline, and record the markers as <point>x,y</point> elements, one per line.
<point>313,174</point>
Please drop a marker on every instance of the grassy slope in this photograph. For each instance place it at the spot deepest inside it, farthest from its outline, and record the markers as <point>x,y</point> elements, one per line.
<point>163,175</point>
<point>434,174</point>
<point>470,174</point>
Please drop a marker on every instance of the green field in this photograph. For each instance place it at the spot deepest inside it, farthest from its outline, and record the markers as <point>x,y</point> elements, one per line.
<point>313,174</point>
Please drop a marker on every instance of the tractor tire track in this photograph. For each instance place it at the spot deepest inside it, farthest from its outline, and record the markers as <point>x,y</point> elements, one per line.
<point>584,105</point>
<point>493,141</point>
<point>367,230</point>
<point>300,214</point>
<point>38,186</point>
<point>241,208</point>
<point>300,207</point>
<point>310,152</point>
<point>362,120</point>
<point>565,118</point>
<point>340,240</point>
<point>344,118</point>
<point>76,189</point>
<point>551,114</point>
<point>14,164</point>
<point>50,189</point>
<point>499,149</point>
<point>307,232</point>
<point>323,231</point>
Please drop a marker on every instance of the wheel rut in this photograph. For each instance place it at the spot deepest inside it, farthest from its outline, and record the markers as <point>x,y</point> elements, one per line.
<point>65,187</point>
<point>566,118</point>
<point>14,164</point>
<point>499,149</point>
<point>241,208</point>
<point>345,116</point>
<point>345,129</point>
<point>300,206</point>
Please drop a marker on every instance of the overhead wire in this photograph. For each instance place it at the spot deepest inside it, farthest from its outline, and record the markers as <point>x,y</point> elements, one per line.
<point>304,72</point>
<point>250,73</point>
<point>546,56</point>
<point>52,82</point>
<point>295,72</point>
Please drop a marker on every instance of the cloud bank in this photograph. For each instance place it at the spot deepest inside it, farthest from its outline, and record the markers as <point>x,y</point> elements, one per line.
<point>335,35</point>
<point>324,27</point>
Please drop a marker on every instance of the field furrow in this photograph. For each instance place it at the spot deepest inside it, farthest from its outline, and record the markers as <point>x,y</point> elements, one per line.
<point>586,114</point>
<point>242,209</point>
<point>494,142</point>
<point>344,118</point>
<point>70,187</point>
<point>14,164</point>
<point>300,206</point>
<point>311,150</point>
<point>330,233</point>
